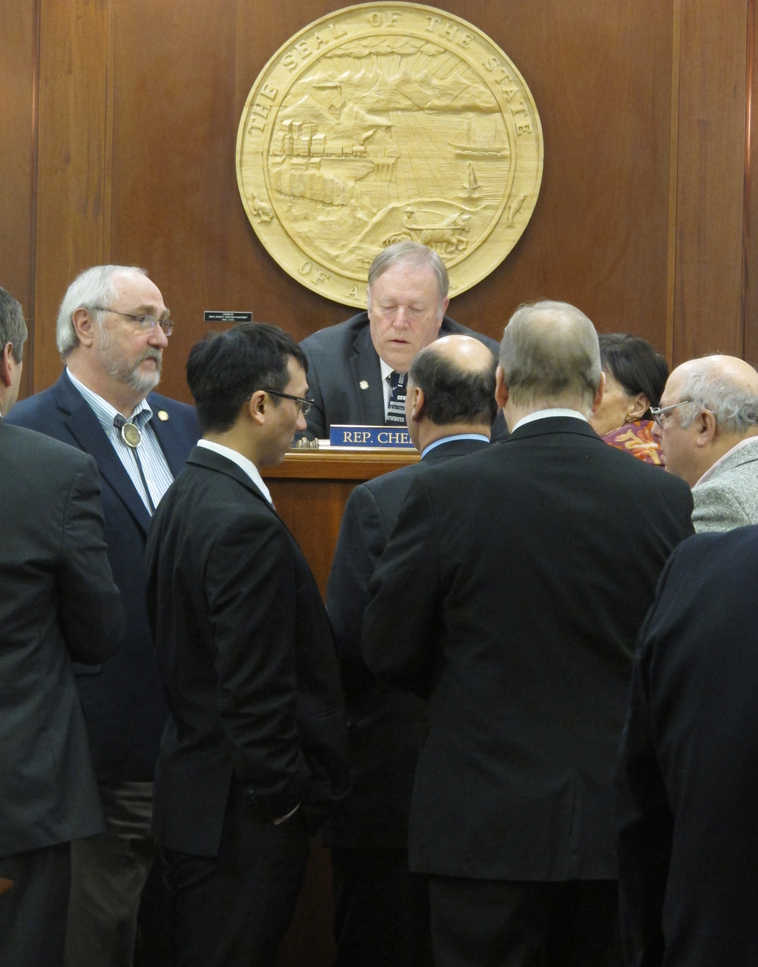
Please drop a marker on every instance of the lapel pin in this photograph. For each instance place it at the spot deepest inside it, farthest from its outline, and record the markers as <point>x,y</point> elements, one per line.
<point>162,416</point>
<point>363,384</point>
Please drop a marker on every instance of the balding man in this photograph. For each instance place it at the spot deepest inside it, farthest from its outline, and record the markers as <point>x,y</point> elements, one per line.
<point>357,369</point>
<point>382,912</point>
<point>708,426</point>
<point>499,594</point>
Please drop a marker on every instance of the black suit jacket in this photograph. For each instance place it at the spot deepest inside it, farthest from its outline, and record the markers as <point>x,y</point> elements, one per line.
<point>688,778</point>
<point>386,726</point>
<point>58,603</point>
<point>511,592</point>
<point>246,655</point>
<point>344,375</point>
<point>122,700</point>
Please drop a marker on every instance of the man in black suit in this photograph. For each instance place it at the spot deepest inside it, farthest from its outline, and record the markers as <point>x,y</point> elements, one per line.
<point>58,604</point>
<point>511,592</point>
<point>255,737</point>
<point>351,365</point>
<point>688,778</point>
<point>113,327</point>
<point>381,909</point>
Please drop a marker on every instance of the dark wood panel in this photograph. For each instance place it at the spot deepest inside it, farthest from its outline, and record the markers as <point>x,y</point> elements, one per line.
<point>750,234</point>
<point>73,177</point>
<point>708,309</point>
<point>18,80</point>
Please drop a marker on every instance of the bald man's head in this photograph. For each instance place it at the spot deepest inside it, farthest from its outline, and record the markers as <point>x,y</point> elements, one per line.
<point>456,375</point>
<point>709,405</point>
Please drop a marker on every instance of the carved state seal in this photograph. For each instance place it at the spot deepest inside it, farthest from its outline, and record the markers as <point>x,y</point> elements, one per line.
<point>381,122</point>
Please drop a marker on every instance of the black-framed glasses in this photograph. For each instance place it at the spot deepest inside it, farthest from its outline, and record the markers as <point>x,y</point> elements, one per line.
<point>303,405</point>
<point>659,412</point>
<point>143,321</point>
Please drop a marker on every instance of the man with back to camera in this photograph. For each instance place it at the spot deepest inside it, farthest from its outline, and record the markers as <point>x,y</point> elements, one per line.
<point>113,327</point>
<point>382,912</point>
<point>357,369</point>
<point>688,773</point>
<point>499,595</point>
<point>59,604</point>
<point>708,427</point>
<point>255,737</point>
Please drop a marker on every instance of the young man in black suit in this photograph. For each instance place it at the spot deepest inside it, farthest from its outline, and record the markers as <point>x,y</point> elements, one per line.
<point>112,330</point>
<point>255,738</point>
<point>381,910</point>
<point>58,604</point>
<point>511,592</point>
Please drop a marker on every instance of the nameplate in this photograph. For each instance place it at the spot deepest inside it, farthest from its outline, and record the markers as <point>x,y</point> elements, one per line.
<point>389,437</point>
<point>223,315</point>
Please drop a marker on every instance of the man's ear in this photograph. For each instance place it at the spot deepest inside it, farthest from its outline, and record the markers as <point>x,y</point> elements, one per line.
<point>417,402</point>
<point>597,399</point>
<point>6,364</point>
<point>706,426</point>
<point>256,406</point>
<point>84,325</point>
<point>501,390</point>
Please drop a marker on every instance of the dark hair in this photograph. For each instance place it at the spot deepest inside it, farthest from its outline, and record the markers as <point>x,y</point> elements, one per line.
<point>12,325</point>
<point>635,364</point>
<point>226,368</point>
<point>453,394</point>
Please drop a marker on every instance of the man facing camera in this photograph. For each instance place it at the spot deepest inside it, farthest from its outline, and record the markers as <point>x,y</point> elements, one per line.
<point>113,329</point>
<point>381,909</point>
<point>58,604</point>
<point>357,370</point>
<point>255,738</point>
<point>708,427</point>
<point>498,596</point>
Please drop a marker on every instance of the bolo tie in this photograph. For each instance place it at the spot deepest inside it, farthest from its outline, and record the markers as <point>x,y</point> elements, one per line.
<point>132,437</point>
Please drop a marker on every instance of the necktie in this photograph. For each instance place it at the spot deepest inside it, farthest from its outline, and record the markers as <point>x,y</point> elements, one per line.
<point>130,434</point>
<point>396,405</point>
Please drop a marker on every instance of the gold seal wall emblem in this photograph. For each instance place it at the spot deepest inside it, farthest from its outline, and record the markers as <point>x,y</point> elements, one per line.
<point>381,122</point>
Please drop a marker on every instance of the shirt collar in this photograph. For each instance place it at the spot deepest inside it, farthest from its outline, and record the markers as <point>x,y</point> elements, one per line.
<point>105,411</point>
<point>546,414</point>
<point>243,463</point>
<point>455,436</point>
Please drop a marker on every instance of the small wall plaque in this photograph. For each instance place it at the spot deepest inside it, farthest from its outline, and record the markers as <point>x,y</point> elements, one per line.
<point>222,315</point>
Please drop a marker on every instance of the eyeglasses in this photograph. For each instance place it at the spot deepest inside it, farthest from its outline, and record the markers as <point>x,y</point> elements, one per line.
<point>142,321</point>
<point>303,405</point>
<point>659,412</point>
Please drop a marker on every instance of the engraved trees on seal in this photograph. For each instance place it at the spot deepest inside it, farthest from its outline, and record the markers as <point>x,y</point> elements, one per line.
<point>385,139</point>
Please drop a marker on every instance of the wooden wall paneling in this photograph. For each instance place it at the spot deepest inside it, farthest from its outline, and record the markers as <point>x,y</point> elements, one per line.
<point>74,158</point>
<point>708,283</point>
<point>18,83</point>
<point>750,240</point>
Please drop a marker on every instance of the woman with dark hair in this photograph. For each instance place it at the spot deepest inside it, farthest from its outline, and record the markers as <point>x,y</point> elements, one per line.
<point>635,375</point>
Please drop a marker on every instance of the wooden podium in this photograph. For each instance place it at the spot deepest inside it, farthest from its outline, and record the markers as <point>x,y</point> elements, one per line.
<point>310,489</point>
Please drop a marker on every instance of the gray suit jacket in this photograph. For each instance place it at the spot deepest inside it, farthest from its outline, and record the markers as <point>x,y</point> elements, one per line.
<point>729,497</point>
<point>58,604</point>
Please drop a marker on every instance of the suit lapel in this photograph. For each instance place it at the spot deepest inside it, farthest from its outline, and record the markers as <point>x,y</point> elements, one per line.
<point>365,369</point>
<point>174,445</point>
<point>85,429</point>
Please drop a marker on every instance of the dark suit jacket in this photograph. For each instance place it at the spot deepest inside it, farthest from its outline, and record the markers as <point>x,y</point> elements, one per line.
<point>58,603</point>
<point>511,591</point>
<point>246,655</point>
<point>122,700</point>
<point>386,727</point>
<point>688,779</point>
<point>340,359</point>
